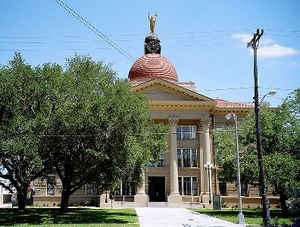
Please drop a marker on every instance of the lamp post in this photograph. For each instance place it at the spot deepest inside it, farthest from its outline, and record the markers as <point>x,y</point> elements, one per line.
<point>270,93</point>
<point>209,166</point>
<point>241,219</point>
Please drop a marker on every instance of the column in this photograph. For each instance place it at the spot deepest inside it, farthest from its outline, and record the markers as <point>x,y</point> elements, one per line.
<point>201,159</point>
<point>141,198</point>
<point>174,196</point>
<point>207,196</point>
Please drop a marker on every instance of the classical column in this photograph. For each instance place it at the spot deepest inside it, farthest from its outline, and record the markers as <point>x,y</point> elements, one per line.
<point>206,160</point>
<point>141,187</point>
<point>141,198</point>
<point>201,158</point>
<point>174,196</point>
<point>206,142</point>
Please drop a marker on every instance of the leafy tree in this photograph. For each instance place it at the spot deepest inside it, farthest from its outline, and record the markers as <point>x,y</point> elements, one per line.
<point>98,130</point>
<point>280,141</point>
<point>23,104</point>
<point>281,173</point>
<point>81,123</point>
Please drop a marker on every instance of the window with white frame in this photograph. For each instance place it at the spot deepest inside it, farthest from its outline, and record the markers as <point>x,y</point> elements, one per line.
<point>187,157</point>
<point>186,132</point>
<point>125,188</point>
<point>51,185</point>
<point>159,163</point>
<point>188,186</point>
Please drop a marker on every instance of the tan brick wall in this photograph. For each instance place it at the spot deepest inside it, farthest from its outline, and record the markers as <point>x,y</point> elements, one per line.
<point>248,202</point>
<point>51,201</point>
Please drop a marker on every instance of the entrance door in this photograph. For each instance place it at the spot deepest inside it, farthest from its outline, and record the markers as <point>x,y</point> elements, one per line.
<point>156,189</point>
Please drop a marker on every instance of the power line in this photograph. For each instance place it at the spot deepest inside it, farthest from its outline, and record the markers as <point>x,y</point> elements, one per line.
<point>245,88</point>
<point>100,34</point>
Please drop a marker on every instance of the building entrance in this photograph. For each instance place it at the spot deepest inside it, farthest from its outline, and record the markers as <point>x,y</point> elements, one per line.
<point>156,189</point>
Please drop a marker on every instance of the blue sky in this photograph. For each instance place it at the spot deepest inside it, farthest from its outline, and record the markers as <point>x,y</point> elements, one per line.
<point>205,40</point>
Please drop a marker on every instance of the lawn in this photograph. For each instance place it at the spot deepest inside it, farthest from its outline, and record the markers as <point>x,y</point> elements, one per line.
<point>77,217</point>
<point>252,216</point>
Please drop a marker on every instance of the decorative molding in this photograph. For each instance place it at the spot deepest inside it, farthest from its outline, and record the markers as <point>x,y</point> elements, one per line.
<point>172,87</point>
<point>173,120</point>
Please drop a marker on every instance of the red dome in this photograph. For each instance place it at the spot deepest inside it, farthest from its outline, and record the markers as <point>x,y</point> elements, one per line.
<point>152,66</point>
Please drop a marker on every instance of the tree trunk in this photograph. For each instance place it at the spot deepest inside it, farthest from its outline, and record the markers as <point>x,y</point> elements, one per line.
<point>65,196</point>
<point>284,208</point>
<point>21,198</point>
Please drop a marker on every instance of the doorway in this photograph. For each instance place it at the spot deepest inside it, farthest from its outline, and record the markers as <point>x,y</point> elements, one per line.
<point>156,189</point>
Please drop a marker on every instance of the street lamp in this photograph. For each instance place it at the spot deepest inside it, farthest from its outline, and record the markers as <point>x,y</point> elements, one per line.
<point>270,93</point>
<point>209,166</point>
<point>241,219</point>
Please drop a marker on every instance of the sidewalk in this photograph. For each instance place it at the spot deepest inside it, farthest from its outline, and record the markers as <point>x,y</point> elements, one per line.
<point>178,217</point>
<point>5,205</point>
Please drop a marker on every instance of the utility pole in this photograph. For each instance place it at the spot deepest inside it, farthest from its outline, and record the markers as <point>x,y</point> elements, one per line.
<point>254,43</point>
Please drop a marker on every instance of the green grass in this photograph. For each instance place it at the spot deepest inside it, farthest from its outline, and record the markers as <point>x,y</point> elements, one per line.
<point>252,216</point>
<point>77,217</point>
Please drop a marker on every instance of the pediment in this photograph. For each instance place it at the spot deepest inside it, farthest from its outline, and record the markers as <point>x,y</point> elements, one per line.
<point>163,90</point>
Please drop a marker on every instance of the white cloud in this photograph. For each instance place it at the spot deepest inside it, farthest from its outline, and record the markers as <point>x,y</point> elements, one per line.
<point>276,51</point>
<point>268,48</point>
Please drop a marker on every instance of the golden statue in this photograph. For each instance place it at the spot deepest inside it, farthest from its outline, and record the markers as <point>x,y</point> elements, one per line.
<point>152,20</point>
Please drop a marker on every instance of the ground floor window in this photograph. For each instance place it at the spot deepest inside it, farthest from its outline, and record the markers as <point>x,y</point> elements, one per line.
<point>223,188</point>
<point>51,185</point>
<point>244,189</point>
<point>125,188</point>
<point>90,189</point>
<point>187,157</point>
<point>188,185</point>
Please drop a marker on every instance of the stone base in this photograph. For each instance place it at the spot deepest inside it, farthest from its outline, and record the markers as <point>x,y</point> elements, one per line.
<point>105,201</point>
<point>205,198</point>
<point>174,199</point>
<point>205,201</point>
<point>141,199</point>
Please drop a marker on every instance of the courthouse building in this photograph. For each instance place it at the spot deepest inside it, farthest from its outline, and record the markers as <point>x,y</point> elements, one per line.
<point>186,174</point>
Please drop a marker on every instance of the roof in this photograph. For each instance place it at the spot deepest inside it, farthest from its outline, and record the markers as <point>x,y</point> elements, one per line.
<point>152,66</point>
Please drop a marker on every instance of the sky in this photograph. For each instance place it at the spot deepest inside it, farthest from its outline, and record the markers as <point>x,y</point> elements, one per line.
<point>205,40</point>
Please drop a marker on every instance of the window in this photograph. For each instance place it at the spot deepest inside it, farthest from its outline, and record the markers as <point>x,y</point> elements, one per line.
<point>159,163</point>
<point>188,185</point>
<point>180,185</point>
<point>187,157</point>
<point>244,189</point>
<point>223,188</point>
<point>194,158</point>
<point>51,185</point>
<point>179,157</point>
<point>186,132</point>
<point>126,188</point>
<point>90,189</point>
<point>194,186</point>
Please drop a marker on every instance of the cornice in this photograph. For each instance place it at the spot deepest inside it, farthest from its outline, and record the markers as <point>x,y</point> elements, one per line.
<point>170,86</point>
<point>180,105</point>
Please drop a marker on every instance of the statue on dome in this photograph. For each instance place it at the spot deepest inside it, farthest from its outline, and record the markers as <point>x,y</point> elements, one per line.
<point>152,20</point>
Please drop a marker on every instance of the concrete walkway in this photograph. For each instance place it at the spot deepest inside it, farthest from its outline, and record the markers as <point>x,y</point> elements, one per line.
<point>178,217</point>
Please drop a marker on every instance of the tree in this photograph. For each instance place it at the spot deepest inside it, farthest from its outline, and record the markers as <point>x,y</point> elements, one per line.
<point>81,123</point>
<point>98,129</point>
<point>23,106</point>
<point>280,141</point>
